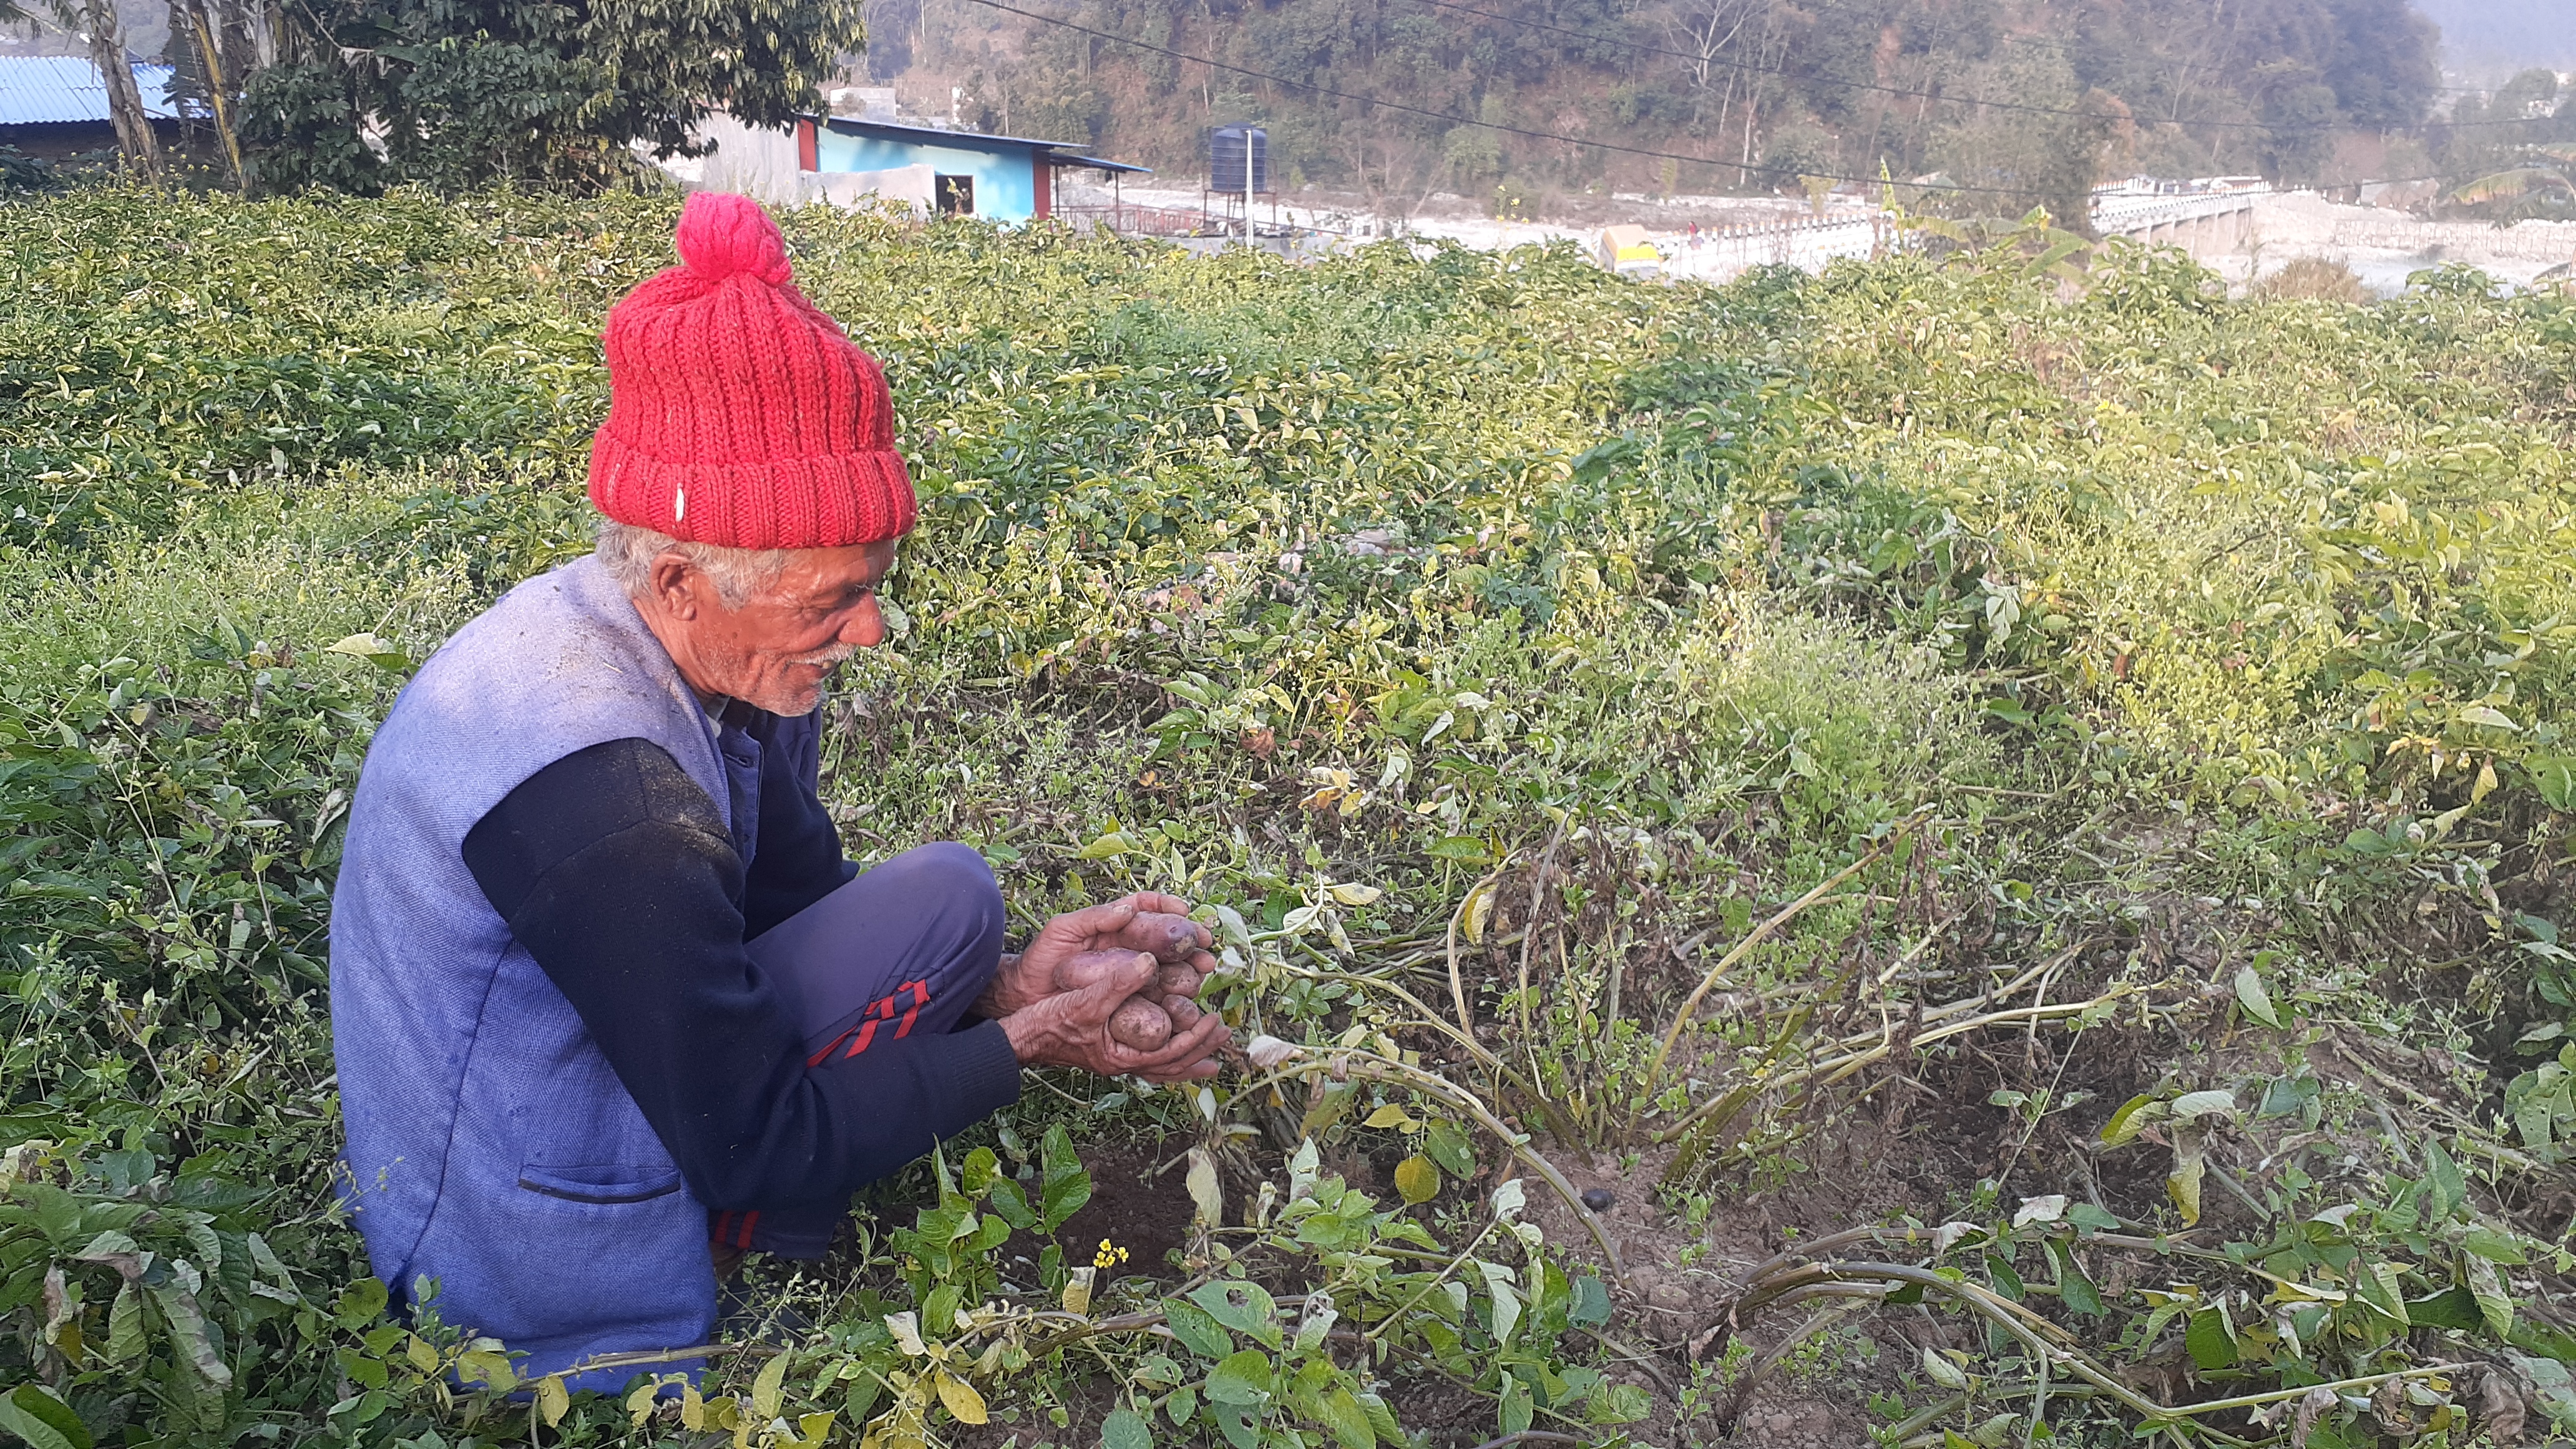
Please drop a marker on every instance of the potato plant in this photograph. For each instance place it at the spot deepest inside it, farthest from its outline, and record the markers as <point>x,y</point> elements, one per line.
<point>2021,709</point>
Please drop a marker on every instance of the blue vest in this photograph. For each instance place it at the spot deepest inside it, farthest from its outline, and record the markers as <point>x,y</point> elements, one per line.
<point>490,1146</point>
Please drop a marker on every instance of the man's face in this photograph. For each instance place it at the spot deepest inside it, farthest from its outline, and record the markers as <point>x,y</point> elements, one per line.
<point>776,650</point>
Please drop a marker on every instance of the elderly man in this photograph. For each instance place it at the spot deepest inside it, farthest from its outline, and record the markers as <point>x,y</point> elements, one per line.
<point>610,1009</point>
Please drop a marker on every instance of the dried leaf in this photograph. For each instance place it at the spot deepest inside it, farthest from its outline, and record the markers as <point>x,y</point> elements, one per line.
<point>2183,1184</point>
<point>2256,1001</point>
<point>769,1388</point>
<point>1417,1179</point>
<point>960,1398</point>
<point>1207,1195</point>
<point>1479,909</point>
<point>553,1400</point>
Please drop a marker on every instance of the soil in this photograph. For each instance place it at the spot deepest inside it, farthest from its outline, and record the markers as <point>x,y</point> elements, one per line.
<point>1140,1201</point>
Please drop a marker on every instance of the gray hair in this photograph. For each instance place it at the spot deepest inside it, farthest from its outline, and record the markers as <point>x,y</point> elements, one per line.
<point>627,552</point>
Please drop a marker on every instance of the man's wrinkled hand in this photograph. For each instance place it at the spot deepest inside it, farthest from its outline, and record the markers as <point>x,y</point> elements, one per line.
<point>1147,922</point>
<point>1071,1028</point>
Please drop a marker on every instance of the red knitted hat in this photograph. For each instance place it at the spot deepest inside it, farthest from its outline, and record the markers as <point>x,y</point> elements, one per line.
<point>738,414</point>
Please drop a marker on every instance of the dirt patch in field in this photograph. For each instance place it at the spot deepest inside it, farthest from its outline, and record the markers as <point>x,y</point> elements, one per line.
<point>1133,1206</point>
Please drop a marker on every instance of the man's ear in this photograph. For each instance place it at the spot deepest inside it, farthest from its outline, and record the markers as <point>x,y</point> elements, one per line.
<point>676,583</point>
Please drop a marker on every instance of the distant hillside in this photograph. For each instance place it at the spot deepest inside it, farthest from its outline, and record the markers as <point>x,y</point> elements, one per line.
<point>2492,38</point>
<point>1738,94</point>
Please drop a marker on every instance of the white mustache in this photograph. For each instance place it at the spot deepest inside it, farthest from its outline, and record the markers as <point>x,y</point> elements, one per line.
<point>827,658</point>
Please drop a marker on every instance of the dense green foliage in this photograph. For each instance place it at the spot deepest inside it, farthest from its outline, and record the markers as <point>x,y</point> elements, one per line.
<point>461,93</point>
<point>1414,610</point>
<point>1764,90</point>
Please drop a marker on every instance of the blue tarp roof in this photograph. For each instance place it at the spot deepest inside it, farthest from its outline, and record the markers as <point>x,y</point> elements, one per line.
<point>55,90</point>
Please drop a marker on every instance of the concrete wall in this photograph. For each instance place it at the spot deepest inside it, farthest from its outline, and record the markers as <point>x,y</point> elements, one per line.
<point>1005,185</point>
<point>759,164</point>
<point>911,185</point>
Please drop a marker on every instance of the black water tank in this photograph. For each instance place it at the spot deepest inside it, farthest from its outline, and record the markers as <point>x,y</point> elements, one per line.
<point>1239,160</point>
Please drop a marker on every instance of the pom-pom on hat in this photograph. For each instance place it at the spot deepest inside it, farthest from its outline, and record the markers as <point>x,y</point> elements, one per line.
<point>738,414</point>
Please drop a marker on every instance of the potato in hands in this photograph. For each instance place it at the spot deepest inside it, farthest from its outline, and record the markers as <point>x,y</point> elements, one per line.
<point>1146,1020</point>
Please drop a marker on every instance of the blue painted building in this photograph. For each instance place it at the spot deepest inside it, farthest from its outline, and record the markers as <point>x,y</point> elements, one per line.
<point>1003,178</point>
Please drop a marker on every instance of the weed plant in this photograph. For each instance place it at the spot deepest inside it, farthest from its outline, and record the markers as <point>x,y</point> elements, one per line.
<point>2035,714</point>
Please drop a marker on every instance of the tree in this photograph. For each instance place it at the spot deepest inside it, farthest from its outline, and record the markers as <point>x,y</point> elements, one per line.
<point>550,93</point>
<point>96,22</point>
<point>2026,159</point>
<point>2551,172</point>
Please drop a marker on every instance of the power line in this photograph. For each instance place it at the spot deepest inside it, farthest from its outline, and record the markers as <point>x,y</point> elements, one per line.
<point>1524,131</point>
<point>1454,120</point>
<point>1692,58</point>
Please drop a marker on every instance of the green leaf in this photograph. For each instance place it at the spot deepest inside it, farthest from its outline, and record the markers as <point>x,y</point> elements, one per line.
<point>2256,1001</point>
<point>2494,1246</point>
<point>2086,1216</point>
<point>125,1332</point>
<point>1010,1203</point>
<point>2134,1115</point>
<point>1105,845</point>
<point>361,1304</point>
<point>1240,1423</point>
<point>939,1310</point>
<point>1448,1145</point>
<point>1063,1184</point>
<point>385,656</point>
<point>1193,1327</point>
<point>1382,1419</point>
<point>1465,849</point>
<point>1619,1404</point>
<point>2555,775</point>
<point>2378,1288</point>
<point>2486,1285</point>
<point>2451,1308</point>
<point>1591,1303</point>
<point>1517,1407</point>
<point>1342,1414</point>
<point>1246,1307</point>
<point>2006,1281</point>
<point>1124,1428</point>
<point>859,1400</point>
<point>2074,1289</point>
<point>44,1421</point>
<point>2210,1339</point>
<point>2443,1176</point>
<point>1240,1378</point>
<point>189,1329</point>
<point>1506,1302</point>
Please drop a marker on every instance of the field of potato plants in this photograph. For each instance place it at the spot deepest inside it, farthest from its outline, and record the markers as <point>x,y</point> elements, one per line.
<point>1972,851</point>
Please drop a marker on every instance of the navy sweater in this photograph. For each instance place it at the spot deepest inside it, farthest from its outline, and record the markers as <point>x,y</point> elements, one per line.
<point>614,870</point>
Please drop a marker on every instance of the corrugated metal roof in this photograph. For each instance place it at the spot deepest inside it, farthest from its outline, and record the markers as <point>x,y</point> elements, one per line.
<point>1060,152</point>
<point>54,90</point>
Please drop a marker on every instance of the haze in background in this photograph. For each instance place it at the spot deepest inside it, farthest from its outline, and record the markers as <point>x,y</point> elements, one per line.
<point>2491,39</point>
